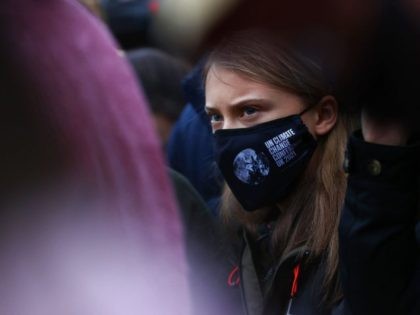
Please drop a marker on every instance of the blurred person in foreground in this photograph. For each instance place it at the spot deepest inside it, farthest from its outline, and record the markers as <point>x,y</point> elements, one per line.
<point>160,75</point>
<point>89,224</point>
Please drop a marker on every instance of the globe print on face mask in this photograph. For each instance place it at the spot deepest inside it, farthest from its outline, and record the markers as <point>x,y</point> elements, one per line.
<point>250,167</point>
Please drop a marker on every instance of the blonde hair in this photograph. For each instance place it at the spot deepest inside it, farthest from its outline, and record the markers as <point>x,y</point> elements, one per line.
<point>319,194</point>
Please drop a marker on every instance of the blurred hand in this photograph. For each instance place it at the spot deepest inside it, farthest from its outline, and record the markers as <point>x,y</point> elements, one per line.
<point>386,132</point>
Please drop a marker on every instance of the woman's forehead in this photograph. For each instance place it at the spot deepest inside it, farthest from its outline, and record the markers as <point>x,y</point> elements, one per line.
<point>227,89</point>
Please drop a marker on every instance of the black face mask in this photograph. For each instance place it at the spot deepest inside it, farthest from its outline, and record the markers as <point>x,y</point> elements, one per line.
<point>261,163</point>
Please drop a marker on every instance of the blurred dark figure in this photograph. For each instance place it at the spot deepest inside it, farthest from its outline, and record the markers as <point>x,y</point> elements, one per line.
<point>190,147</point>
<point>386,82</point>
<point>88,220</point>
<point>380,228</point>
<point>161,75</point>
<point>379,241</point>
<point>129,20</point>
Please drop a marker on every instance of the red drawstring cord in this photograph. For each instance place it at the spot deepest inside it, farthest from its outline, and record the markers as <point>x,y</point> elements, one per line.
<point>296,272</point>
<point>233,278</point>
<point>293,292</point>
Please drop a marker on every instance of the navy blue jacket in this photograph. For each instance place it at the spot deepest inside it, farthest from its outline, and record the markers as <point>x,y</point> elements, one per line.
<point>190,146</point>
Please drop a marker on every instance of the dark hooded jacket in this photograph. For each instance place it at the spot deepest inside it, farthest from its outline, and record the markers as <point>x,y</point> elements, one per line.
<point>379,252</point>
<point>291,285</point>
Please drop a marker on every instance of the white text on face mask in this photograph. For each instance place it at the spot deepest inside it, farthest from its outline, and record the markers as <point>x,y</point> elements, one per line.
<point>280,147</point>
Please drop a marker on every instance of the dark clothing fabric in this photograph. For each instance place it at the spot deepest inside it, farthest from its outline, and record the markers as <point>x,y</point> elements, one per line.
<point>267,289</point>
<point>206,254</point>
<point>190,147</point>
<point>379,255</point>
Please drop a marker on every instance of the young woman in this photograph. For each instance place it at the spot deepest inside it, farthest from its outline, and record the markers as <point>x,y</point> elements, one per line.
<point>280,139</point>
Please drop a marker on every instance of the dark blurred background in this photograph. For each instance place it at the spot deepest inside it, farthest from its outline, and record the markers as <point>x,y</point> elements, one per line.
<point>369,49</point>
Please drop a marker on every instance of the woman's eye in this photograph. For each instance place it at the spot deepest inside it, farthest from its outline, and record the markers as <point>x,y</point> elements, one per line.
<point>215,117</point>
<point>249,111</point>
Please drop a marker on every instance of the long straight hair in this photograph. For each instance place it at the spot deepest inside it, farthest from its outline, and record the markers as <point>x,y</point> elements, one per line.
<point>310,214</point>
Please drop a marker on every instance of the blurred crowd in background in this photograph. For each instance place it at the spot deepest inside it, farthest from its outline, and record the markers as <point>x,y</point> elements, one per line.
<point>360,44</point>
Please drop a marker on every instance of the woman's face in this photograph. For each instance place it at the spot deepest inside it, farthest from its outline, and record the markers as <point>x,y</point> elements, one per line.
<point>235,101</point>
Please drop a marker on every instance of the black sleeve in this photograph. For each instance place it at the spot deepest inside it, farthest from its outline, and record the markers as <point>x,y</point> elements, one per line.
<point>378,250</point>
<point>208,263</point>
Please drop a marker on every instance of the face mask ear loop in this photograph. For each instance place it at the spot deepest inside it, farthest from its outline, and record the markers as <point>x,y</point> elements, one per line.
<point>307,109</point>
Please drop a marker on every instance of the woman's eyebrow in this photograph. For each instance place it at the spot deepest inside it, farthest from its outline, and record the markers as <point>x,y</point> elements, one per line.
<point>209,109</point>
<point>250,101</point>
<point>241,102</point>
